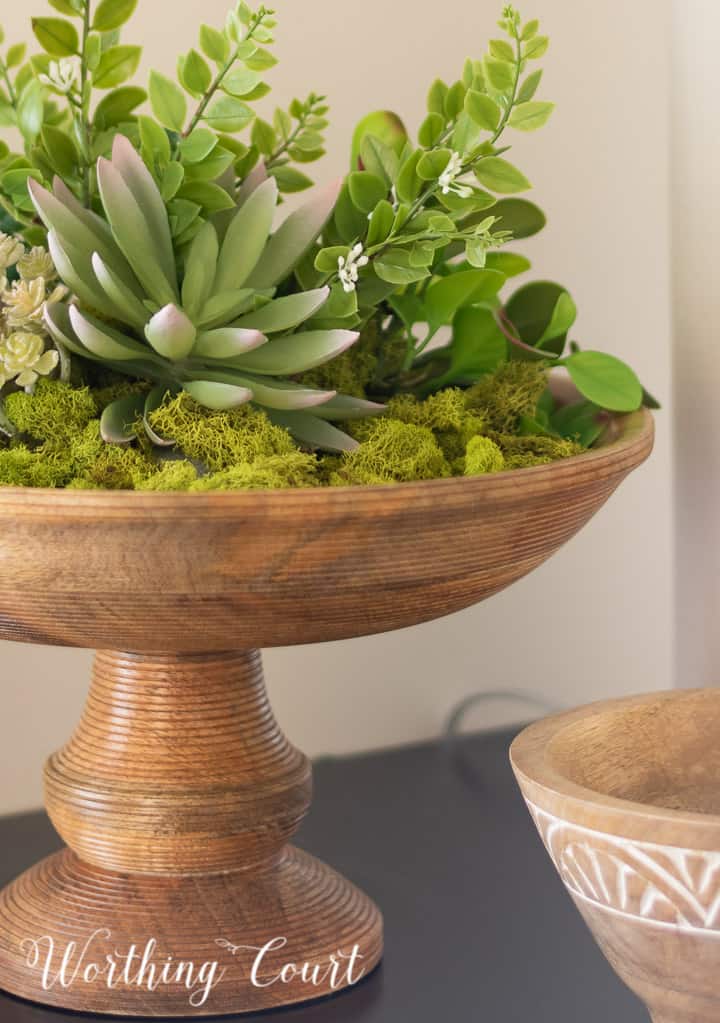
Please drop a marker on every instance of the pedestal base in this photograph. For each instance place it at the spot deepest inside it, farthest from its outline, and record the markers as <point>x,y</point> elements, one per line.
<point>77,937</point>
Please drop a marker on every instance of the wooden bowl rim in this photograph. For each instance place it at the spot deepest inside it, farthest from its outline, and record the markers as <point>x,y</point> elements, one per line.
<point>572,802</point>
<point>628,442</point>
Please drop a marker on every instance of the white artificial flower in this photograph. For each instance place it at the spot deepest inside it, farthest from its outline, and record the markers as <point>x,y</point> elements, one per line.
<point>62,74</point>
<point>25,302</point>
<point>349,269</point>
<point>10,251</point>
<point>23,359</point>
<point>36,263</point>
<point>447,179</point>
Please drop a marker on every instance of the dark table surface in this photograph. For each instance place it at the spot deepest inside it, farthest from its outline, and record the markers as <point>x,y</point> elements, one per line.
<point>478,926</point>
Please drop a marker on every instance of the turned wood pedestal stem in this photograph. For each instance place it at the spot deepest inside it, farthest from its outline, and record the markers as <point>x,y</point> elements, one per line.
<point>177,796</point>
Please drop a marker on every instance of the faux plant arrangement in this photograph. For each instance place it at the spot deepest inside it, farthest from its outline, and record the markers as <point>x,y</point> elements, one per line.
<point>160,332</point>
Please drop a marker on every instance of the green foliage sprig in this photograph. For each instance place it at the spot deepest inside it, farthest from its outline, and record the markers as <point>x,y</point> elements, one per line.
<point>70,101</point>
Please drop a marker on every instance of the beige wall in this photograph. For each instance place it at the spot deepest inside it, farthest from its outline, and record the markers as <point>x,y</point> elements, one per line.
<point>696,232</point>
<point>596,621</point>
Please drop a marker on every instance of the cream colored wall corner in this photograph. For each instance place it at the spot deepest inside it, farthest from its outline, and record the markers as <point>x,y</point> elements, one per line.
<point>598,619</point>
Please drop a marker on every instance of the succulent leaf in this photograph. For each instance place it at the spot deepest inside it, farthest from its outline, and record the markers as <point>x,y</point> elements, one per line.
<point>75,230</point>
<point>128,306</point>
<point>314,432</point>
<point>84,284</point>
<point>227,343</point>
<point>343,408</point>
<point>219,396</point>
<point>133,234</point>
<point>57,321</point>
<point>286,313</point>
<point>225,307</point>
<point>200,269</point>
<point>254,179</point>
<point>117,423</point>
<point>142,185</point>
<point>294,237</point>
<point>275,394</point>
<point>171,333</point>
<point>246,238</point>
<point>104,342</point>
<point>297,353</point>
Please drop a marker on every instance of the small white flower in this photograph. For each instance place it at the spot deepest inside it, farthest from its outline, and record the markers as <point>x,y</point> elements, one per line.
<point>62,75</point>
<point>447,179</point>
<point>25,302</point>
<point>23,359</point>
<point>349,269</point>
<point>36,263</point>
<point>11,251</point>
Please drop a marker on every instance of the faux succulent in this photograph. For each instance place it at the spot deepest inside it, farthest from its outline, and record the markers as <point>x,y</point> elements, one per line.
<point>204,320</point>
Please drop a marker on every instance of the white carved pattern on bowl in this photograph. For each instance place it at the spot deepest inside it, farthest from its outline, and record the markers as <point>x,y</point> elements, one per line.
<point>663,884</point>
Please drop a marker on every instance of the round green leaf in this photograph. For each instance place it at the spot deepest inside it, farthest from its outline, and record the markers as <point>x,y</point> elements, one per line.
<point>605,380</point>
<point>520,216</point>
<point>383,125</point>
<point>483,110</point>
<point>500,176</point>
<point>56,36</point>
<point>366,191</point>
<point>167,101</point>
<point>111,14</point>
<point>196,75</point>
<point>228,114</point>
<point>530,116</point>
<point>118,106</point>
<point>116,65</point>
<point>214,44</point>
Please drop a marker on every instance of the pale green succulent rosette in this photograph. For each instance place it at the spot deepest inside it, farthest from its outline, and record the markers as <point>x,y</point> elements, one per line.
<point>213,328</point>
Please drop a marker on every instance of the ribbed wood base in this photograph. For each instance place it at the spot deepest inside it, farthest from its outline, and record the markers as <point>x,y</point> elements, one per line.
<point>177,796</point>
<point>198,921</point>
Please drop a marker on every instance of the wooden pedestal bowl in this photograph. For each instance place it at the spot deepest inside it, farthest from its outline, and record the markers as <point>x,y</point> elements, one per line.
<point>178,793</point>
<point>626,796</point>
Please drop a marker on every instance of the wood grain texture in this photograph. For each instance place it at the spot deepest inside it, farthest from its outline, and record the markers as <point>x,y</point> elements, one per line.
<point>625,797</point>
<point>298,898</point>
<point>210,572</point>
<point>178,793</point>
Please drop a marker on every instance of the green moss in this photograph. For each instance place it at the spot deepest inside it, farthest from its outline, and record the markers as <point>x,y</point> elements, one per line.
<point>483,456</point>
<point>393,452</point>
<point>446,414</point>
<point>525,452</point>
<point>109,466</point>
<point>56,412</point>
<point>105,396</point>
<point>220,439</point>
<point>171,475</point>
<point>272,472</point>
<point>21,467</point>
<point>502,398</point>
<point>350,373</point>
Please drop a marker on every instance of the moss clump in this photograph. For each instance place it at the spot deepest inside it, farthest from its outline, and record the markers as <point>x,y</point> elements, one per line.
<point>392,452</point>
<point>525,452</point>
<point>171,475</point>
<point>108,465</point>
<point>220,440</point>
<point>483,456</point>
<point>350,373</point>
<point>56,412</point>
<point>504,397</point>
<point>273,472</point>
<point>21,467</point>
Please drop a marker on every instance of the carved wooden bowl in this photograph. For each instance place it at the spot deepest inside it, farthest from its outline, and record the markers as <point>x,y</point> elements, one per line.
<point>626,797</point>
<point>178,793</point>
